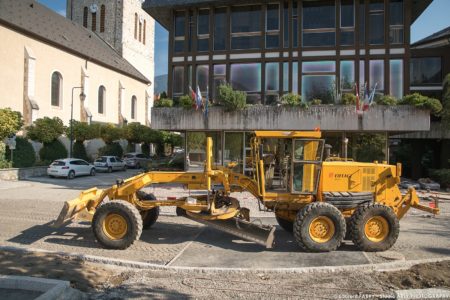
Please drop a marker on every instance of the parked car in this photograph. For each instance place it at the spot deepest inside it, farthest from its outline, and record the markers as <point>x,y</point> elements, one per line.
<point>136,160</point>
<point>109,164</point>
<point>70,168</point>
<point>407,183</point>
<point>170,163</point>
<point>429,185</point>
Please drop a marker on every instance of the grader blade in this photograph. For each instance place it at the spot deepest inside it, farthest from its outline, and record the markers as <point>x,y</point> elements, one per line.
<point>259,234</point>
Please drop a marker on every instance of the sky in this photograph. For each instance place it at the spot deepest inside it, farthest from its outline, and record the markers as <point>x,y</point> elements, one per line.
<point>433,19</point>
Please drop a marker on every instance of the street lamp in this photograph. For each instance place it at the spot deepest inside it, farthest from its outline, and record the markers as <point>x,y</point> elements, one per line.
<point>82,98</point>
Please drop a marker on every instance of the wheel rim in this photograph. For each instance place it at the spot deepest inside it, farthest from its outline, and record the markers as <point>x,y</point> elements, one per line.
<point>115,226</point>
<point>376,229</point>
<point>321,229</point>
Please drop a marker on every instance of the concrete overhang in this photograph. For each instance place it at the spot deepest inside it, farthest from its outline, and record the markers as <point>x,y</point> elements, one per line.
<point>394,119</point>
<point>160,10</point>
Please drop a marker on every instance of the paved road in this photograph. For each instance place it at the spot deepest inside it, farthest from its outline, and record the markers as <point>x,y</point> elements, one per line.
<point>28,207</point>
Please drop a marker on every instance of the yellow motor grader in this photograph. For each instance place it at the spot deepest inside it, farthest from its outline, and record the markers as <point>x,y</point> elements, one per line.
<point>321,202</point>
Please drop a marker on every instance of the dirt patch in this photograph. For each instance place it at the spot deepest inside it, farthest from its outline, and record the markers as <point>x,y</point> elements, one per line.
<point>418,276</point>
<point>82,275</point>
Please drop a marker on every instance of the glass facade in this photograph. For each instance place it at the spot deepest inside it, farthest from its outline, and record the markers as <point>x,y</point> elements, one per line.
<point>376,75</point>
<point>347,23</point>
<point>203,30</point>
<point>319,23</point>
<point>396,78</point>
<point>272,83</point>
<point>273,26</point>
<point>319,81</point>
<point>247,78</point>
<point>246,27</point>
<point>426,71</point>
<point>376,22</point>
<point>179,34</point>
<point>203,77</point>
<point>396,21</point>
<point>178,81</point>
<point>347,75</point>
<point>220,77</point>
<point>220,29</point>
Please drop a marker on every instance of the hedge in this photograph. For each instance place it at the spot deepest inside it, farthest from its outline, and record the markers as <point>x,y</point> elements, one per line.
<point>52,151</point>
<point>24,155</point>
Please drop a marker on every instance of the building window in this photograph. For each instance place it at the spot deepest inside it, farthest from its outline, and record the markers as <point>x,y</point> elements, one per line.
<point>202,77</point>
<point>220,78</point>
<point>133,107</point>
<point>286,77</point>
<point>362,74</point>
<point>396,78</point>
<point>295,24</point>
<point>272,83</point>
<point>376,75</point>
<point>376,22</point>
<point>178,81</point>
<point>319,81</point>
<point>396,21</point>
<point>135,26</point>
<point>286,25</point>
<point>85,17</point>
<point>143,36</point>
<point>192,30</point>
<point>426,71</point>
<point>203,30</point>
<point>273,26</point>
<point>347,23</point>
<point>220,29</point>
<point>247,78</point>
<point>246,27</point>
<point>140,31</point>
<point>102,18</point>
<point>179,35</point>
<point>319,23</point>
<point>295,77</point>
<point>101,99</point>
<point>234,150</point>
<point>362,23</point>
<point>94,21</point>
<point>347,75</point>
<point>57,82</point>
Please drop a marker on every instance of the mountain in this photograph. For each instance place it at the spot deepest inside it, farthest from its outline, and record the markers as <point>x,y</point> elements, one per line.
<point>160,84</point>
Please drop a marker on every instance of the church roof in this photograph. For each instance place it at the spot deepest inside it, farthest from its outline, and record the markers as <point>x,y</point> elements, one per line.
<point>41,23</point>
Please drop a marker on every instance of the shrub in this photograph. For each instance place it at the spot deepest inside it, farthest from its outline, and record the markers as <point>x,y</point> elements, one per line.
<point>348,99</point>
<point>145,149</point>
<point>232,100</point>
<point>442,176</point>
<point>421,101</point>
<point>79,151</point>
<point>24,155</point>
<point>46,130</point>
<point>291,100</point>
<point>110,133</point>
<point>316,102</point>
<point>164,102</point>
<point>446,101</point>
<point>113,149</point>
<point>4,164</point>
<point>386,100</point>
<point>52,151</point>
<point>10,122</point>
<point>185,101</point>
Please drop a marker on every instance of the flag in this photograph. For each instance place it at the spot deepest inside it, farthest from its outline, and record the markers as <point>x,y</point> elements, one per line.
<point>199,98</point>
<point>357,96</point>
<point>206,103</point>
<point>194,98</point>
<point>372,95</point>
<point>366,97</point>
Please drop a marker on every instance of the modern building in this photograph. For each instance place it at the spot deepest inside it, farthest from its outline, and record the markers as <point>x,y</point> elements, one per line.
<point>316,48</point>
<point>269,48</point>
<point>44,56</point>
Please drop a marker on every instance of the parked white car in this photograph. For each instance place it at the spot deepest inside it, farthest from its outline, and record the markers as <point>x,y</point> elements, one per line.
<point>109,164</point>
<point>136,160</point>
<point>70,168</point>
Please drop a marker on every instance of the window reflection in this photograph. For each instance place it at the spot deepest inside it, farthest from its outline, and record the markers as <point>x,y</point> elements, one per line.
<point>426,70</point>
<point>220,28</point>
<point>347,75</point>
<point>246,27</point>
<point>247,78</point>
<point>202,77</point>
<point>376,68</point>
<point>319,26</point>
<point>396,78</point>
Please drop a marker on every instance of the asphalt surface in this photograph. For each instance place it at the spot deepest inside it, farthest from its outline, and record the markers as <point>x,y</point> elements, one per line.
<point>27,208</point>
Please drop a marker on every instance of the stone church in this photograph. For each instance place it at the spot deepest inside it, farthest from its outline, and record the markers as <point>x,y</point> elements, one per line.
<point>98,61</point>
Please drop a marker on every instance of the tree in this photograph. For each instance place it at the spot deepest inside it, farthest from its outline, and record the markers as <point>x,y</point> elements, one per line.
<point>110,133</point>
<point>446,102</point>
<point>46,130</point>
<point>10,122</point>
<point>172,139</point>
<point>81,131</point>
<point>133,132</point>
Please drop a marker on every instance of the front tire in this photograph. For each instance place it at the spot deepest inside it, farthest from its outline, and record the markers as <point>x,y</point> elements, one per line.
<point>110,169</point>
<point>374,228</point>
<point>92,173</point>
<point>319,227</point>
<point>117,224</point>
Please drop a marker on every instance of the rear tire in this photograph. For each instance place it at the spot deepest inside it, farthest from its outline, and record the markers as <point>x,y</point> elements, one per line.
<point>285,224</point>
<point>92,172</point>
<point>374,228</point>
<point>117,224</point>
<point>149,217</point>
<point>71,175</point>
<point>319,227</point>
<point>110,169</point>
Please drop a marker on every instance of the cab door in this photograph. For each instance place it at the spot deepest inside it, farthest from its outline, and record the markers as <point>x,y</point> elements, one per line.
<point>306,165</point>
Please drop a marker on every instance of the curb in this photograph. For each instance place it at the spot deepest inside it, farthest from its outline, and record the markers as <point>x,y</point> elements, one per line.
<point>381,267</point>
<point>50,288</point>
